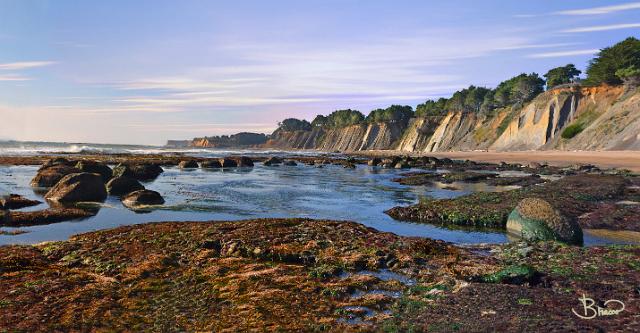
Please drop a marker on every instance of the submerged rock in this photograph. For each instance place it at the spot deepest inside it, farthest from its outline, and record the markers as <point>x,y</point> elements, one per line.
<point>190,164</point>
<point>123,185</point>
<point>142,172</point>
<point>78,187</point>
<point>536,219</point>
<point>228,163</point>
<point>49,176</point>
<point>142,198</point>
<point>95,167</point>
<point>15,201</point>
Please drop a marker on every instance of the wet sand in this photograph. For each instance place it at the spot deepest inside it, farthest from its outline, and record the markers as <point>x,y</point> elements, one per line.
<point>604,159</point>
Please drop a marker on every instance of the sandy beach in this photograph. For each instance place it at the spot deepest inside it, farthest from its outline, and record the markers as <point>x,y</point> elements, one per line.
<point>605,159</point>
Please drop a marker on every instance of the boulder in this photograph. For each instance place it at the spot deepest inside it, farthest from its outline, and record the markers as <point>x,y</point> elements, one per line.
<point>189,164</point>
<point>374,161</point>
<point>536,219</point>
<point>15,201</point>
<point>49,176</point>
<point>228,163</point>
<point>95,167</point>
<point>78,187</point>
<point>56,161</point>
<point>290,163</point>
<point>244,161</point>
<point>273,161</point>
<point>142,172</point>
<point>123,185</point>
<point>142,198</point>
<point>210,164</point>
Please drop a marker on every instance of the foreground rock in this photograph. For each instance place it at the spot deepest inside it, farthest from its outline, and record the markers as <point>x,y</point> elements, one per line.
<point>123,185</point>
<point>95,167</point>
<point>48,176</point>
<point>15,201</point>
<point>142,198</point>
<point>142,172</point>
<point>303,275</point>
<point>78,187</point>
<point>536,219</point>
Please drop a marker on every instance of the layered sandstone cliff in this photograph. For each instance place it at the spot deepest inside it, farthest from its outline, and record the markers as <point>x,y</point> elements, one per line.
<point>566,118</point>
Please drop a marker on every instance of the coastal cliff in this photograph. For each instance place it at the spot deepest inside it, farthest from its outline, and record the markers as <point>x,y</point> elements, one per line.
<point>566,118</point>
<point>570,117</point>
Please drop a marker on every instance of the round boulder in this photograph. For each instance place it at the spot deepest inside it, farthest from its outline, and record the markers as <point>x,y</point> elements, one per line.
<point>123,185</point>
<point>536,219</point>
<point>49,176</point>
<point>190,164</point>
<point>228,163</point>
<point>78,187</point>
<point>210,164</point>
<point>142,198</point>
<point>142,172</point>
<point>95,167</point>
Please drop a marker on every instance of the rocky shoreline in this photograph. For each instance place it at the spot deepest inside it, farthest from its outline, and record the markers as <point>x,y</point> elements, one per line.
<point>319,275</point>
<point>307,275</point>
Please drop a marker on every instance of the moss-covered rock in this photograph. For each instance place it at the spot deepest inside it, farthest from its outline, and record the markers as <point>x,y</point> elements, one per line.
<point>535,219</point>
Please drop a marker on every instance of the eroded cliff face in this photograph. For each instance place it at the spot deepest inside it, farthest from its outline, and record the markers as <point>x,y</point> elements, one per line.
<point>351,138</point>
<point>607,118</point>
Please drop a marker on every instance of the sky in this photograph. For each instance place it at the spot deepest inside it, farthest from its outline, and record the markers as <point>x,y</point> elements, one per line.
<point>142,72</point>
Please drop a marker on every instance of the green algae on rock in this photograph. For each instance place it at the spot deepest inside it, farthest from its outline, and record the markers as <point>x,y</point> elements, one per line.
<point>535,219</point>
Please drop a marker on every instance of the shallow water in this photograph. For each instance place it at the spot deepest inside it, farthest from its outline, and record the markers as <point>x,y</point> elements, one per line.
<point>332,192</point>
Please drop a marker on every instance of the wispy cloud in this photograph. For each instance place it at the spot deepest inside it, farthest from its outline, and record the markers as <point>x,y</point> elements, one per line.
<point>601,10</point>
<point>14,66</point>
<point>564,53</point>
<point>536,46</point>
<point>13,77</point>
<point>603,28</point>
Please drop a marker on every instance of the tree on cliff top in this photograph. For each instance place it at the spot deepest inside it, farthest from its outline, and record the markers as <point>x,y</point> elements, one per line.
<point>319,121</point>
<point>342,118</point>
<point>602,69</point>
<point>561,75</point>
<point>394,113</point>
<point>293,124</point>
<point>431,108</point>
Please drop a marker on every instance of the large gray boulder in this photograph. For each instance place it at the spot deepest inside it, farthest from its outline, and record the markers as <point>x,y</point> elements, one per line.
<point>95,167</point>
<point>536,219</point>
<point>142,198</point>
<point>51,175</point>
<point>78,187</point>
<point>123,185</point>
<point>142,172</point>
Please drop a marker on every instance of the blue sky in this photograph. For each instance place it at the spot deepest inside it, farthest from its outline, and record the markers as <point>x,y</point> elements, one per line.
<point>147,71</point>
